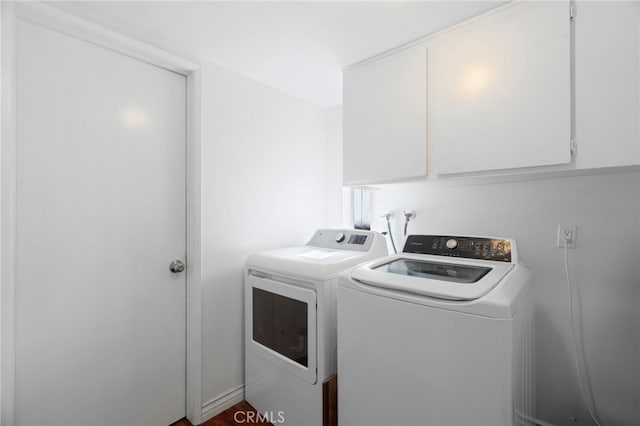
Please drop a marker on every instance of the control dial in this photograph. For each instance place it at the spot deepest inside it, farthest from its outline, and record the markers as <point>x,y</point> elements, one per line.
<point>339,237</point>
<point>451,244</point>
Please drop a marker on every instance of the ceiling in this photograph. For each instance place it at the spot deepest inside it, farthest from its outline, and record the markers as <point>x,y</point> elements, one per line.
<point>297,47</point>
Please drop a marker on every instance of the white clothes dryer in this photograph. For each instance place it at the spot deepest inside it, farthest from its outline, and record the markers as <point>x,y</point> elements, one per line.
<point>290,321</point>
<point>440,334</point>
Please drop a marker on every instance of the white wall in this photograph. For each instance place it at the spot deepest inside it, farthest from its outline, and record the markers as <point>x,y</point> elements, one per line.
<point>605,267</point>
<point>3,132</point>
<point>333,171</point>
<point>263,186</point>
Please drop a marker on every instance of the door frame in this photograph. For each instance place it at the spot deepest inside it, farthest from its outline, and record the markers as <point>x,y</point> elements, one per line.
<point>74,26</point>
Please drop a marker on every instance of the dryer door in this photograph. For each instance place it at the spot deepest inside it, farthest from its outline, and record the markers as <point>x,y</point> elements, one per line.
<point>281,325</point>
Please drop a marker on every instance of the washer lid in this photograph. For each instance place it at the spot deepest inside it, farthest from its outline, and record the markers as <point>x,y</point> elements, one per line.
<point>462,279</point>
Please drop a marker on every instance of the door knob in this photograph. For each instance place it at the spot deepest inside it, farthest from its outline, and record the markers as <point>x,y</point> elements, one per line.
<point>176,266</point>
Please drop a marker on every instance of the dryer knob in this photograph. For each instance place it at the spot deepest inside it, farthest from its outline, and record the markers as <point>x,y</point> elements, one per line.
<point>451,244</point>
<point>339,237</point>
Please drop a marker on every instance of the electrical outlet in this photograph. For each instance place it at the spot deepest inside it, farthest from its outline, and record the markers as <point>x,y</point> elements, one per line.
<point>567,233</point>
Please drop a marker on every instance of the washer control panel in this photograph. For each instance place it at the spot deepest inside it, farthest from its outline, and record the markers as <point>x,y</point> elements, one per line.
<point>343,239</point>
<point>455,246</point>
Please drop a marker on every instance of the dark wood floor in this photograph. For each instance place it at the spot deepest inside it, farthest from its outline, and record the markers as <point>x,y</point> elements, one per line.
<point>229,417</point>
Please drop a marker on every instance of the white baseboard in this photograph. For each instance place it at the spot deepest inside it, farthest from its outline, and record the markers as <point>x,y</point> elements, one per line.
<point>220,403</point>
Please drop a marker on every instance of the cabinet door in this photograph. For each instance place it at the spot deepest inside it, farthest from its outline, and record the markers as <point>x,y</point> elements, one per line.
<point>607,84</point>
<point>385,109</point>
<point>500,90</point>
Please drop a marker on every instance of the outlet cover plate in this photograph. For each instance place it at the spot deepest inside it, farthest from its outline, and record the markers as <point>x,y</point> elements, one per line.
<point>572,229</point>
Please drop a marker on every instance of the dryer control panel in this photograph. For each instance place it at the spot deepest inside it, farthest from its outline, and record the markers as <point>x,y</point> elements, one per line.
<point>458,246</point>
<point>343,239</point>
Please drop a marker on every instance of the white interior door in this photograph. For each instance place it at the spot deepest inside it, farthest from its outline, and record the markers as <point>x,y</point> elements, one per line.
<point>100,319</point>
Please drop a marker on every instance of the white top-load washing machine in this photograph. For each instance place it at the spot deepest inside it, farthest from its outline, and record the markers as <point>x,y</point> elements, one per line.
<point>290,321</point>
<point>440,334</point>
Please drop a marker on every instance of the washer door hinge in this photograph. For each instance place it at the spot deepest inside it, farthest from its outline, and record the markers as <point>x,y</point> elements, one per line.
<point>572,11</point>
<point>573,146</point>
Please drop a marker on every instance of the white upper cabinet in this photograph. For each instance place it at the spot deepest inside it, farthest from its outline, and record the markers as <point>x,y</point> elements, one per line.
<point>385,110</point>
<point>498,94</point>
<point>607,89</point>
<point>500,90</point>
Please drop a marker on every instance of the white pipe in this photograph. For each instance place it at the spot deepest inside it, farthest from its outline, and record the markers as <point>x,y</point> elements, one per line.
<point>578,349</point>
